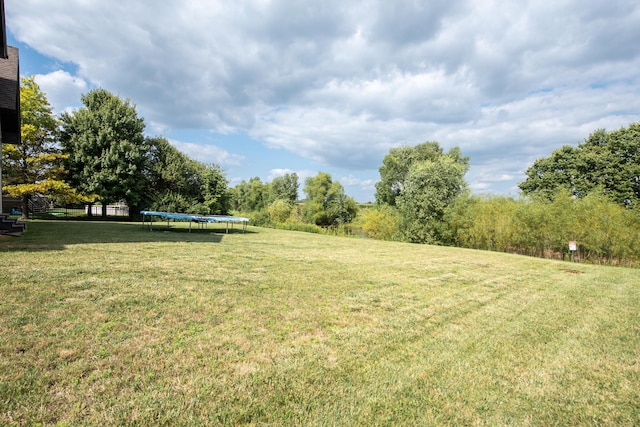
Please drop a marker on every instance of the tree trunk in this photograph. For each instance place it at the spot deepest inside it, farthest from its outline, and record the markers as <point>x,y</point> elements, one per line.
<point>25,206</point>
<point>134,211</point>
<point>104,210</point>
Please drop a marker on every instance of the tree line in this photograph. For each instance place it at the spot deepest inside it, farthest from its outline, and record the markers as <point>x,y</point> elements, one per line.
<point>98,153</point>
<point>589,193</point>
<point>325,204</point>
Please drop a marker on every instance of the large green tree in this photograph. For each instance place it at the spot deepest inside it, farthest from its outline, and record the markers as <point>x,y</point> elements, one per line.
<point>106,148</point>
<point>429,189</point>
<point>285,187</point>
<point>327,204</point>
<point>174,180</point>
<point>215,195</point>
<point>607,162</point>
<point>251,196</point>
<point>397,164</point>
<point>177,183</point>
<point>35,165</point>
<point>422,182</point>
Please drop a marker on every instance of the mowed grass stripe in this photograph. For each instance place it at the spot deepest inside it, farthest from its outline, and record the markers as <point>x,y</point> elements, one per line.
<point>110,324</point>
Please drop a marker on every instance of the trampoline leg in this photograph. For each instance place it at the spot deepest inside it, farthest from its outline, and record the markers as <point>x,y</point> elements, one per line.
<point>150,222</point>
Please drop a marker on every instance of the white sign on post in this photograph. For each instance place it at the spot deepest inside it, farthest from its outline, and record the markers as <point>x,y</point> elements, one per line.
<point>573,246</point>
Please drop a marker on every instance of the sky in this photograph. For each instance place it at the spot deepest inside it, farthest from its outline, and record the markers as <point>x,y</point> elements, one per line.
<point>268,87</point>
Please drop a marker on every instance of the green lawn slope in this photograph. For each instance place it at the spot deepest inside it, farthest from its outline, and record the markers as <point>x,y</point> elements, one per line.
<point>112,324</point>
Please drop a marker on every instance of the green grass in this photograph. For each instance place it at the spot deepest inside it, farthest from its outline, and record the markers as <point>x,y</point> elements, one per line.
<point>111,324</point>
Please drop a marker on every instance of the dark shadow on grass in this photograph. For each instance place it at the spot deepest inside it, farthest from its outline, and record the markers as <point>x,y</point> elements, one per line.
<point>55,234</point>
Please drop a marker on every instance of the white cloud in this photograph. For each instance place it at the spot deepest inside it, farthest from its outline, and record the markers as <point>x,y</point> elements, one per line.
<point>343,82</point>
<point>351,180</point>
<point>275,173</point>
<point>62,89</point>
<point>303,174</point>
<point>358,185</point>
<point>208,153</point>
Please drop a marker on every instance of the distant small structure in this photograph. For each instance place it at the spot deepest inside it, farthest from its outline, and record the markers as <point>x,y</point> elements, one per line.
<point>9,92</point>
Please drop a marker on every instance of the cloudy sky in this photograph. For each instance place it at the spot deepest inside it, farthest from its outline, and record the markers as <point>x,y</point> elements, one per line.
<point>265,87</point>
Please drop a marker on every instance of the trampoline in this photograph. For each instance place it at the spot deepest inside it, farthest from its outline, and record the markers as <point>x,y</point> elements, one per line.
<point>201,220</point>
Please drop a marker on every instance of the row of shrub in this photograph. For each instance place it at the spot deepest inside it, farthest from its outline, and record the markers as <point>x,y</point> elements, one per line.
<point>604,231</point>
<point>282,215</point>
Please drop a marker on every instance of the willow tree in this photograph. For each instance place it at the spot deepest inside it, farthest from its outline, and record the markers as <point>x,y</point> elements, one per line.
<point>430,189</point>
<point>397,164</point>
<point>422,182</point>
<point>285,188</point>
<point>327,204</point>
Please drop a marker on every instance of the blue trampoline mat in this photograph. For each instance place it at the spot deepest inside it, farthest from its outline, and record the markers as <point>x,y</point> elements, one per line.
<point>195,217</point>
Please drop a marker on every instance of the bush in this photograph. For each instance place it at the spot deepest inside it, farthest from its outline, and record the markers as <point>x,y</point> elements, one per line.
<point>280,210</point>
<point>604,231</point>
<point>382,223</point>
<point>299,226</point>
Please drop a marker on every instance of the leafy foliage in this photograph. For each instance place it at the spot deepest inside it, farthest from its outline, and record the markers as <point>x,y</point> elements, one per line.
<point>429,189</point>
<point>35,165</point>
<point>177,183</point>
<point>280,210</point>
<point>327,204</point>
<point>250,196</point>
<point>107,157</point>
<point>106,148</point>
<point>422,182</point>
<point>169,201</point>
<point>214,190</point>
<point>285,188</point>
<point>607,162</point>
<point>603,230</point>
<point>397,165</point>
<point>382,223</point>
<point>171,171</point>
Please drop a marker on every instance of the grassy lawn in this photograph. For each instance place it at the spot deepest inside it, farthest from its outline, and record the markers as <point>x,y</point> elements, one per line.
<point>111,324</point>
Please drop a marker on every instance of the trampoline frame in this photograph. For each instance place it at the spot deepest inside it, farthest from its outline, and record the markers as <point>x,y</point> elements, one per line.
<point>201,220</point>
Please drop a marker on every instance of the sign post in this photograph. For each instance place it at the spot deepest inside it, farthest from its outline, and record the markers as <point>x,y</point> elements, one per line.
<point>573,247</point>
